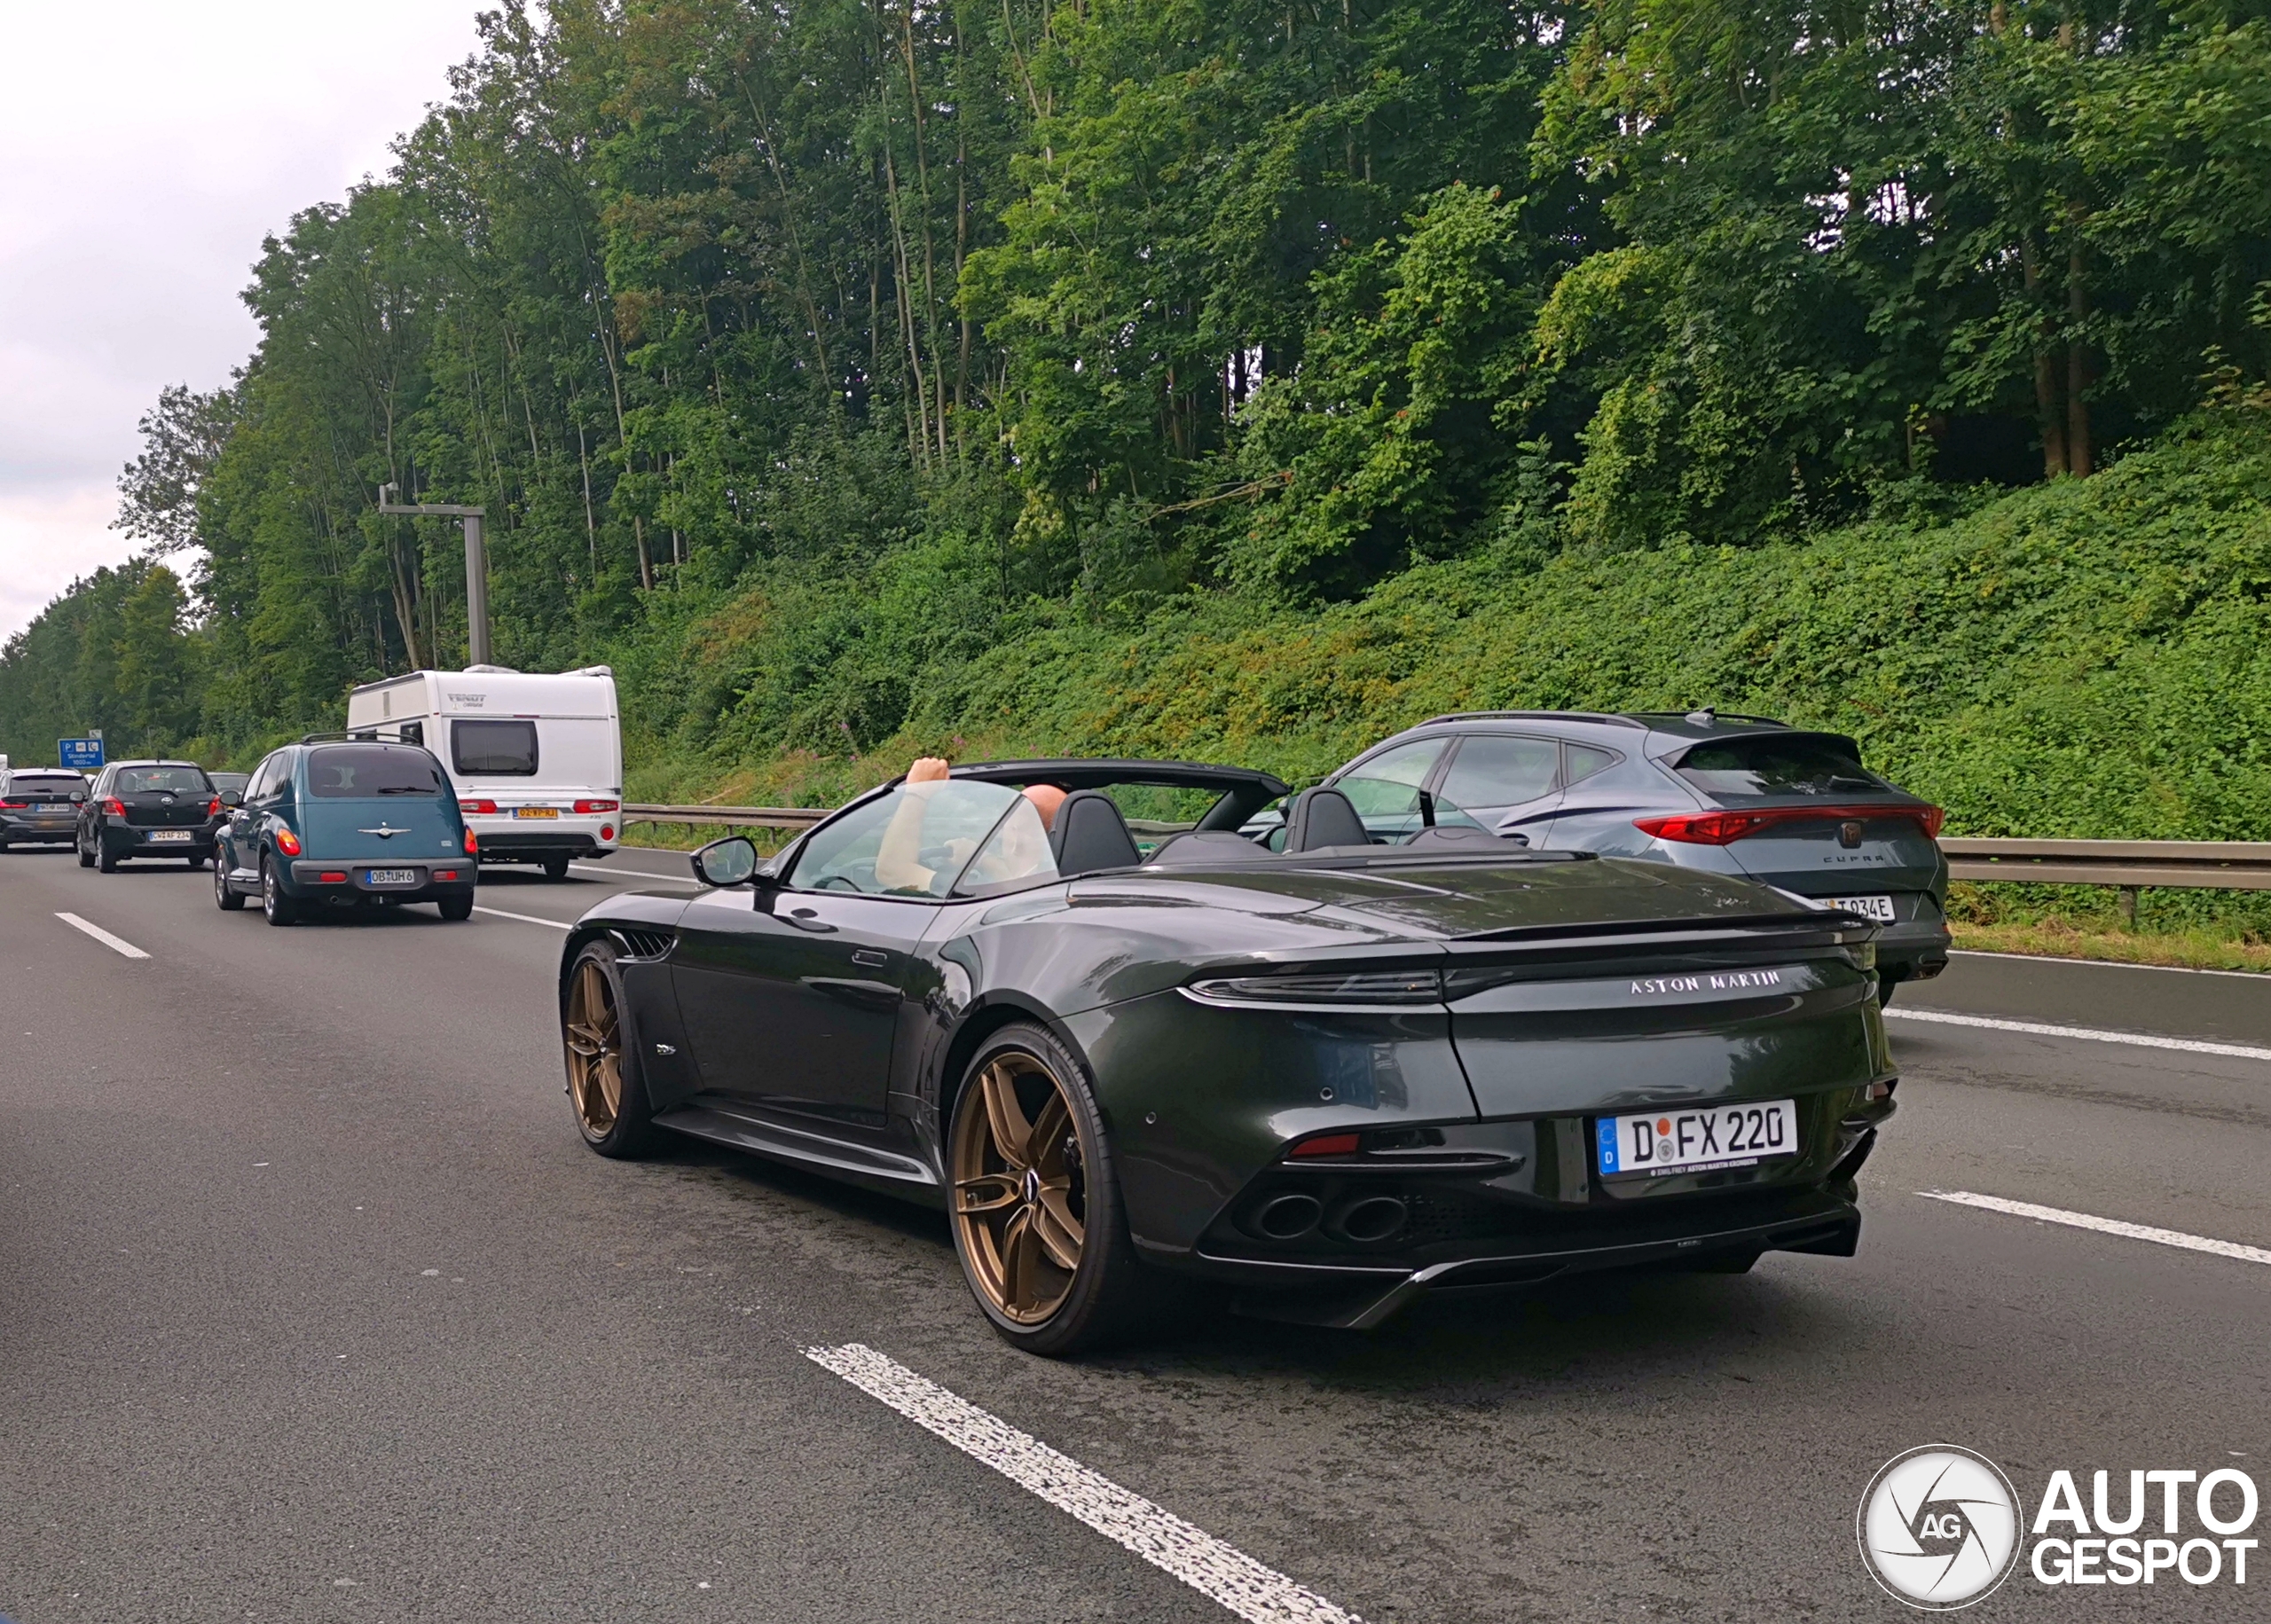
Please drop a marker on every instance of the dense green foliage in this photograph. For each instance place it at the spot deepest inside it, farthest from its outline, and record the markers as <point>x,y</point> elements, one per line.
<point>1246,379</point>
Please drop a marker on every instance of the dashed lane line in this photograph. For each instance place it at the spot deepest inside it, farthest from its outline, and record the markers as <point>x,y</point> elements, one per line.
<point>2103,1225</point>
<point>115,944</point>
<point>1205,1564</point>
<point>526,919</point>
<point>2088,1034</point>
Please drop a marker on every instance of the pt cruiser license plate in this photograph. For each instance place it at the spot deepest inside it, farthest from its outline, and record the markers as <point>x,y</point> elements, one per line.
<point>1697,1140</point>
<point>391,876</point>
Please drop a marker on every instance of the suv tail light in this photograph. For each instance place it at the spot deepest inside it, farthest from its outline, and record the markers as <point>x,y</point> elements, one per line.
<point>288,842</point>
<point>1721,829</point>
<point>476,806</point>
<point>15,806</point>
<point>595,806</point>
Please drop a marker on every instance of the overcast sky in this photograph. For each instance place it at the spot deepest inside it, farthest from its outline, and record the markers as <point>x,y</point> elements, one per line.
<point>146,146</point>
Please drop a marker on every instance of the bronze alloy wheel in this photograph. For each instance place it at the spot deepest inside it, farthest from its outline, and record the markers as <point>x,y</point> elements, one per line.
<point>1020,1197</point>
<point>595,1036</point>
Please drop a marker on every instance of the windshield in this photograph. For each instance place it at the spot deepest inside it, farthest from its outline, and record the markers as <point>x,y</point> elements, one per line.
<point>1807,763</point>
<point>151,780</point>
<point>361,772</point>
<point>911,843</point>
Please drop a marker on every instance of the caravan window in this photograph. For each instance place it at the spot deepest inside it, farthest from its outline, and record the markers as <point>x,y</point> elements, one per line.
<point>494,750</point>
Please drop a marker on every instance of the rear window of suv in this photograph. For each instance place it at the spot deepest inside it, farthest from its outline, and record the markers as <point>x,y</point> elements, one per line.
<point>48,784</point>
<point>1812,764</point>
<point>365,772</point>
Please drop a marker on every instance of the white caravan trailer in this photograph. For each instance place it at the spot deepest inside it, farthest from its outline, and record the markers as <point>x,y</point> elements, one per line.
<point>537,758</point>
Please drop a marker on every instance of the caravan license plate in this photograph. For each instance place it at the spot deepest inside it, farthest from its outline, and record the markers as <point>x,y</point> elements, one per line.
<point>391,876</point>
<point>535,812</point>
<point>1697,1140</point>
<point>1879,908</point>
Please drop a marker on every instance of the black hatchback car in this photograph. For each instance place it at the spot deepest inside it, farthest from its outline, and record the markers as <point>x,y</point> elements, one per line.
<point>39,805</point>
<point>1739,795</point>
<point>143,809</point>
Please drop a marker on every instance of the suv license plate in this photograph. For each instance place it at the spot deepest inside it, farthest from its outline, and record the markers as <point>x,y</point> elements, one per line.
<point>168,835</point>
<point>1696,1141</point>
<point>391,876</point>
<point>1879,908</point>
<point>535,812</point>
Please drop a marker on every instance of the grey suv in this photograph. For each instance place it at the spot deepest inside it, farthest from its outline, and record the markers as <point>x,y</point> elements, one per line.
<point>39,805</point>
<point>1734,795</point>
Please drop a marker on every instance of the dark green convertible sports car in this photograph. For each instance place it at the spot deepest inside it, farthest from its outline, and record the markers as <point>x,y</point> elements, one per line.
<point>1124,1041</point>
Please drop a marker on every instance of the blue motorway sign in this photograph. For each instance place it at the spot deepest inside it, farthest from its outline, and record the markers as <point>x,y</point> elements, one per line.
<point>83,754</point>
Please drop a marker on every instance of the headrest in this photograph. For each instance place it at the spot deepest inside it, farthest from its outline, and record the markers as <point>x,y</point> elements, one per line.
<point>1206,846</point>
<point>1464,837</point>
<point>1323,817</point>
<point>1088,834</point>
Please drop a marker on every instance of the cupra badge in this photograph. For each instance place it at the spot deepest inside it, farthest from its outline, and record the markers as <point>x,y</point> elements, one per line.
<point>1940,1526</point>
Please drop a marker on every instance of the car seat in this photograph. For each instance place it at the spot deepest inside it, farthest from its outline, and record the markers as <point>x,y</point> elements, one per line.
<point>1088,834</point>
<point>1323,817</point>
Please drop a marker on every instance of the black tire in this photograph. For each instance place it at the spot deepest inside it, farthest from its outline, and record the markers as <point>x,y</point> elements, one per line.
<point>225,896</point>
<point>556,867</point>
<point>86,857</point>
<point>455,908</point>
<point>104,863</point>
<point>1112,1289</point>
<point>624,1127</point>
<point>275,905</point>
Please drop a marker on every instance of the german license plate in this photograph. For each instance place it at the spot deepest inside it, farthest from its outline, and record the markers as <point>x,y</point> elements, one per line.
<point>1879,908</point>
<point>168,835</point>
<point>535,812</point>
<point>391,876</point>
<point>1696,1141</point>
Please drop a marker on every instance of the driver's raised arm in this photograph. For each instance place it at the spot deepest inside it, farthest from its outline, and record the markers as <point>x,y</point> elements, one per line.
<point>899,866</point>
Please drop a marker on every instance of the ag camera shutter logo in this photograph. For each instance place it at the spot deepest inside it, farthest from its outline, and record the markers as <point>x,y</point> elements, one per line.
<point>1938,1526</point>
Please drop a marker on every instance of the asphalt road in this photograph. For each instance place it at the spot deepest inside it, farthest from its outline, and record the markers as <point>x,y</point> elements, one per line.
<point>312,1306</point>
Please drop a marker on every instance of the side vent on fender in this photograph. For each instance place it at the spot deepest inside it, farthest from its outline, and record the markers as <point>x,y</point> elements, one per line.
<point>642,944</point>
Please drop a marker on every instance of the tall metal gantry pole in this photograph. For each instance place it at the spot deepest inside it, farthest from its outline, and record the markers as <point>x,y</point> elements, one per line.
<point>476,566</point>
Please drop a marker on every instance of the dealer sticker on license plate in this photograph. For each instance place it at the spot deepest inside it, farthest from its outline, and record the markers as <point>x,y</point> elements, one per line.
<point>1879,908</point>
<point>168,834</point>
<point>391,876</point>
<point>535,812</point>
<point>1698,1140</point>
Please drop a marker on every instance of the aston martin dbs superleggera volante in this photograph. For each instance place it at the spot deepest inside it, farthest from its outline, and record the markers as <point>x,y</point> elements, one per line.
<point>1128,1043</point>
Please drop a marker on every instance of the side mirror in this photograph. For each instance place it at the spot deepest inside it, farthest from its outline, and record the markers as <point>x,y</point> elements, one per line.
<point>231,797</point>
<point>729,861</point>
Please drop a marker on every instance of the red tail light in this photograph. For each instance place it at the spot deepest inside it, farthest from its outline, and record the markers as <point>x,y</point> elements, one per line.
<point>471,844</point>
<point>288,842</point>
<point>596,806</point>
<point>1720,828</point>
<point>1328,1144</point>
<point>334,876</point>
<point>214,810</point>
<point>113,808</point>
<point>476,806</point>
<point>15,806</point>
<point>446,873</point>
<point>606,831</point>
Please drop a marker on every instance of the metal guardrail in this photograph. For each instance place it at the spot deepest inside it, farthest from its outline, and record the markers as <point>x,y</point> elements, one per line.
<point>2213,865</point>
<point>730,816</point>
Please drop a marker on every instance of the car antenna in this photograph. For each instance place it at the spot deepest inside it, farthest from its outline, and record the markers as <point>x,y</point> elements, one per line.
<point>1703,717</point>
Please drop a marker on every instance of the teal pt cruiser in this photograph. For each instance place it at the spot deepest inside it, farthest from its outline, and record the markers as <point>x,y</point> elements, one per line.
<point>342,824</point>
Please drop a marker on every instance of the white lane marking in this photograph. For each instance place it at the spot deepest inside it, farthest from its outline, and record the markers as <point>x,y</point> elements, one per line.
<point>2189,1046</point>
<point>628,875</point>
<point>1164,1539</point>
<point>114,944</point>
<point>2106,964</point>
<point>2104,1226</point>
<point>527,919</point>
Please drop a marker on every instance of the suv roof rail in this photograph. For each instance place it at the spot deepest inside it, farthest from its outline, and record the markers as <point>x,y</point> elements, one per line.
<point>1705,716</point>
<point>1533,716</point>
<point>360,735</point>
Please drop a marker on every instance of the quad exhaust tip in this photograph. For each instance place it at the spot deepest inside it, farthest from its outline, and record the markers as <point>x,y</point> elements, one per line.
<point>1375,1217</point>
<point>1288,1218</point>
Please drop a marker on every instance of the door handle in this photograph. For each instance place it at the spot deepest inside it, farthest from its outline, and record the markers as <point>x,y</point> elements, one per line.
<point>808,919</point>
<point>867,958</point>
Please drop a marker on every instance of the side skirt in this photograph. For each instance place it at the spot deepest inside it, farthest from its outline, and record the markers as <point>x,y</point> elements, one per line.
<point>883,1170</point>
